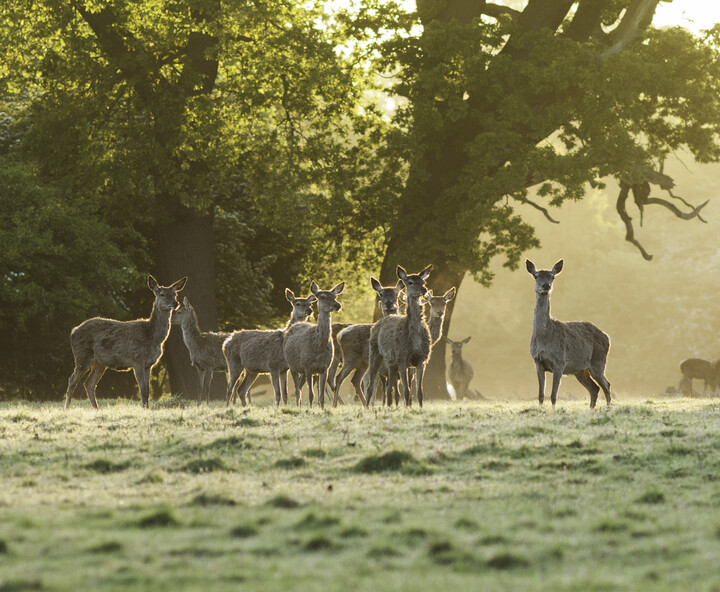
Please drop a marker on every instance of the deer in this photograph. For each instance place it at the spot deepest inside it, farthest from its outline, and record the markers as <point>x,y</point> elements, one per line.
<point>438,305</point>
<point>460,372</point>
<point>258,352</point>
<point>577,348</point>
<point>400,342</point>
<point>99,343</point>
<point>308,348</point>
<point>204,347</point>
<point>354,341</point>
<point>694,368</point>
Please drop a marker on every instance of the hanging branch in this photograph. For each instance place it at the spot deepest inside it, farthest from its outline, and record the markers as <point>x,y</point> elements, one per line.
<point>641,196</point>
<point>525,200</point>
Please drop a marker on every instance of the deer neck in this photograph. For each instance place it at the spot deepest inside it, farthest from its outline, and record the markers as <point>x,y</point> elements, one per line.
<point>294,318</point>
<point>436,322</point>
<point>414,314</point>
<point>323,326</point>
<point>159,324</point>
<point>541,318</point>
<point>191,329</point>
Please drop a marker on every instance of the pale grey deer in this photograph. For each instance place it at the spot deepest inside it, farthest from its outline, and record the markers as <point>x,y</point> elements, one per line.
<point>99,343</point>
<point>577,348</point>
<point>460,372</point>
<point>258,352</point>
<point>354,340</point>
<point>438,306</point>
<point>308,348</point>
<point>400,342</point>
<point>204,347</point>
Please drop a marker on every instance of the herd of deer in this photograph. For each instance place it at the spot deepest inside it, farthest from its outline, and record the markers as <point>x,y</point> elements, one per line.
<point>393,350</point>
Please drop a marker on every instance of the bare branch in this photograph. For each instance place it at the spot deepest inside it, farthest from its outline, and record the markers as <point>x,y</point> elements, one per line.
<point>537,206</point>
<point>496,11</point>
<point>694,213</point>
<point>625,217</point>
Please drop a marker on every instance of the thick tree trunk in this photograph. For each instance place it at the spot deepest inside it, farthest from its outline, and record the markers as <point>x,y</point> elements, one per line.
<point>185,247</point>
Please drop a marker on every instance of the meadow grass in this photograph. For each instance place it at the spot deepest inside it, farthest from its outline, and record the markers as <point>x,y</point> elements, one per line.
<point>486,495</point>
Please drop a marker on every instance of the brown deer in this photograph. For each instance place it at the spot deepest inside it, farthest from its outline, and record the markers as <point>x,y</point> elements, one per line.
<point>577,348</point>
<point>99,343</point>
<point>400,342</point>
<point>354,340</point>
<point>258,352</point>
<point>694,368</point>
<point>308,348</point>
<point>204,347</point>
<point>460,371</point>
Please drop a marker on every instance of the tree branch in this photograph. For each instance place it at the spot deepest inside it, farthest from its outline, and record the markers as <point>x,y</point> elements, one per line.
<point>537,206</point>
<point>625,217</point>
<point>637,18</point>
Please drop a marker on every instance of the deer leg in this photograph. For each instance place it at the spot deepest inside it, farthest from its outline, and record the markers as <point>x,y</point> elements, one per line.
<point>201,383</point>
<point>557,377</point>
<point>541,382</point>
<point>392,379</point>
<point>233,376</point>
<point>599,377</point>
<point>275,379</point>
<point>73,381</point>
<point>96,373</point>
<point>283,385</point>
<point>310,383</point>
<point>245,385</point>
<point>296,382</point>
<point>332,370</point>
<point>142,376</point>
<point>585,380</point>
<point>419,373</point>
<point>356,381</point>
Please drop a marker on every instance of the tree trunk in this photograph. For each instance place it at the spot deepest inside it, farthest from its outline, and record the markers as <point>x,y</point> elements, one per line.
<point>185,247</point>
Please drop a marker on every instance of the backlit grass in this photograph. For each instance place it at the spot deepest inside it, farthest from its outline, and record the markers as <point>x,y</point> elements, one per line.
<point>500,496</point>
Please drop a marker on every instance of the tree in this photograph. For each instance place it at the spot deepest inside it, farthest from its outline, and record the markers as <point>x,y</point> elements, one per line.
<point>554,95</point>
<point>180,124</point>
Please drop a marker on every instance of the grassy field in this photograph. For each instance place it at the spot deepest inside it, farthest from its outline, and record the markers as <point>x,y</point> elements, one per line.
<point>471,495</point>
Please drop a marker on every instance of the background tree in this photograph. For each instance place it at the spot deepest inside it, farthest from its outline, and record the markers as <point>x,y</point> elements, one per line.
<point>553,95</point>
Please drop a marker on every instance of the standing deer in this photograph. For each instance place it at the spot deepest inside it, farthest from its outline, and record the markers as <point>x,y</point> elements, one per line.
<point>578,348</point>
<point>99,343</point>
<point>402,341</point>
<point>354,340</point>
<point>438,305</point>
<point>308,348</point>
<point>460,372</point>
<point>204,347</point>
<point>258,352</point>
<point>694,368</point>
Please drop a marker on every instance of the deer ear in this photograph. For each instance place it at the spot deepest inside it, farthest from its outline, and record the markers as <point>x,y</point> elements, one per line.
<point>314,288</point>
<point>338,289</point>
<point>375,284</point>
<point>425,272</point>
<point>180,284</point>
<point>152,283</point>
<point>449,295</point>
<point>429,295</point>
<point>558,267</point>
<point>448,340</point>
<point>399,286</point>
<point>530,266</point>
<point>312,299</point>
<point>289,295</point>
<point>186,302</point>
<point>466,339</point>
<point>401,273</point>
